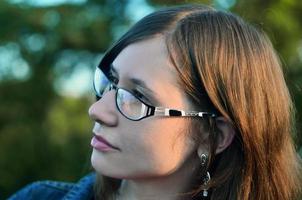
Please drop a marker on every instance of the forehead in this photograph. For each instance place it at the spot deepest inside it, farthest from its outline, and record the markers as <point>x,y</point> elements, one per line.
<point>146,59</point>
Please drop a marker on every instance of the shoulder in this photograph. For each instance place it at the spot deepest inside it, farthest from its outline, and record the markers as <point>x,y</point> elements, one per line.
<point>46,190</point>
<point>43,190</point>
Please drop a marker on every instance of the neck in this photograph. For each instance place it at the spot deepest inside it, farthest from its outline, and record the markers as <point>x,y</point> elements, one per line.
<point>169,187</point>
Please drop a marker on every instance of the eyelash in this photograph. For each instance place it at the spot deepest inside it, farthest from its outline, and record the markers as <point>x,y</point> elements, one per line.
<point>139,95</point>
<point>112,78</point>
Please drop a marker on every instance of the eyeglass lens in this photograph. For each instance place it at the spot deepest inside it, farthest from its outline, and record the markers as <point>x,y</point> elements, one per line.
<point>129,105</point>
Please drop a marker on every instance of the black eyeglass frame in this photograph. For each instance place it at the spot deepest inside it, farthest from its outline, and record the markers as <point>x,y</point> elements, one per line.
<point>151,110</point>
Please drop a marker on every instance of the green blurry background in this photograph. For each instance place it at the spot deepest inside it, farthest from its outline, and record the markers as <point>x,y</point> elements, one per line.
<point>48,51</point>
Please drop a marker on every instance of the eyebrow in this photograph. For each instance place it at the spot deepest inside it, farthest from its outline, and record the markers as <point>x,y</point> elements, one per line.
<point>138,82</point>
<point>142,84</point>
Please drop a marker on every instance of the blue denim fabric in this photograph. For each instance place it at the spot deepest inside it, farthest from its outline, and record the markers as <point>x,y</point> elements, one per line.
<point>52,190</point>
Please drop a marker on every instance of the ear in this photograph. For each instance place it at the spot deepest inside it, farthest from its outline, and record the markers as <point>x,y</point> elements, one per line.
<point>226,136</point>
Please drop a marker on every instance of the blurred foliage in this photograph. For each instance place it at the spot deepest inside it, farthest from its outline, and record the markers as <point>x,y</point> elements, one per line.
<point>46,135</point>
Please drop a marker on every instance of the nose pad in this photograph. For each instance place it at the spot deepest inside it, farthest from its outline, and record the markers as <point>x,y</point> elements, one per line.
<point>104,110</point>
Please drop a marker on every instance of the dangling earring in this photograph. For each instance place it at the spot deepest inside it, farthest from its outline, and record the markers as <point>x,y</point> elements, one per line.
<point>206,179</point>
<point>203,158</point>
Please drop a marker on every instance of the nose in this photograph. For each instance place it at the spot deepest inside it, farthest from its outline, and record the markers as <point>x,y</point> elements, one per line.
<point>104,110</point>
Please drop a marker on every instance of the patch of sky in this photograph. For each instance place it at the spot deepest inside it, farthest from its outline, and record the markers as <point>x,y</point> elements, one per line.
<point>51,19</point>
<point>12,65</point>
<point>74,73</point>
<point>135,10</point>
<point>34,42</point>
<point>45,3</point>
<point>224,4</point>
<point>77,84</point>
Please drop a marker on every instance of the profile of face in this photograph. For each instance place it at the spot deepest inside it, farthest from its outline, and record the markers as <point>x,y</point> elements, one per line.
<point>154,146</point>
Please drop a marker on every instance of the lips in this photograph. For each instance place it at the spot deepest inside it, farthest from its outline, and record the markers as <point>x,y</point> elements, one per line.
<point>102,140</point>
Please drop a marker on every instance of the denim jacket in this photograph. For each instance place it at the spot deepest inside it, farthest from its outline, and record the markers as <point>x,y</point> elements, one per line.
<point>52,190</point>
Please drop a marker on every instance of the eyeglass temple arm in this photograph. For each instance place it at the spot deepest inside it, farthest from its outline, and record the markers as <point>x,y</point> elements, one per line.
<point>159,111</point>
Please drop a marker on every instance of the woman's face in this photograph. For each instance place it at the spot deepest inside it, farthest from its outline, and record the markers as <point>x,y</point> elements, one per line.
<point>154,146</point>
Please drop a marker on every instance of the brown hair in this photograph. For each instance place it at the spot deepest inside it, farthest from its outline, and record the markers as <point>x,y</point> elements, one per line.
<point>234,65</point>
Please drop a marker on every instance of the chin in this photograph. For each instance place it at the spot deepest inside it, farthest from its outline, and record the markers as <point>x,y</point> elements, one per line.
<point>98,162</point>
<point>103,166</point>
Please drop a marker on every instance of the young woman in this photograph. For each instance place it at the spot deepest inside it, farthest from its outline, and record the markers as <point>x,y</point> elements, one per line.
<point>191,104</point>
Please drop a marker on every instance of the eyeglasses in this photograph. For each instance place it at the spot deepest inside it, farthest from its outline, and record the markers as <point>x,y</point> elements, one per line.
<point>131,106</point>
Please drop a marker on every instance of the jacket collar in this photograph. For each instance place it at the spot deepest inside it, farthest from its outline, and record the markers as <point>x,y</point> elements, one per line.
<point>82,190</point>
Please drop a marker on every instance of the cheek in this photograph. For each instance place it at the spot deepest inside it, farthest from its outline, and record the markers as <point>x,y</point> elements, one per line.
<point>160,146</point>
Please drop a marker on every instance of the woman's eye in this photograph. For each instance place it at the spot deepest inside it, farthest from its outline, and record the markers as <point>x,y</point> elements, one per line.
<point>140,95</point>
<point>112,78</point>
